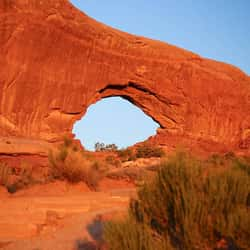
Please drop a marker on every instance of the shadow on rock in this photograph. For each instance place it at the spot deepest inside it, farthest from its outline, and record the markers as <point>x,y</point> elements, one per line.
<point>95,230</point>
<point>86,245</point>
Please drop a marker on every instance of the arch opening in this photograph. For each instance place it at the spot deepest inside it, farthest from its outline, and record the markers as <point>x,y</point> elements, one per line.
<point>114,120</point>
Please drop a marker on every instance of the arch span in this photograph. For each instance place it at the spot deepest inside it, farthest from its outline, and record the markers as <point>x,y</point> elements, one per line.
<point>56,61</point>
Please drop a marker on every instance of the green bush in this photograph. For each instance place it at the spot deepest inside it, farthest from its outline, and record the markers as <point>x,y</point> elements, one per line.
<point>188,209</point>
<point>147,151</point>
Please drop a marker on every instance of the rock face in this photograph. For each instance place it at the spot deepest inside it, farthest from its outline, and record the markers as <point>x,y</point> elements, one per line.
<point>56,61</point>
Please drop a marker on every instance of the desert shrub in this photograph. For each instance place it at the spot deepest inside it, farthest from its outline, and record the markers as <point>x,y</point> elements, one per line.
<point>111,147</point>
<point>188,209</point>
<point>217,160</point>
<point>130,235</point>
<point>126,154</point>
<point>146,151</point>
<point>100,146</point>
<point>112,160</point>
<point>242,164</point>
<point>25,178</point>
<point>69,164</point>
<point>5,172</point>
<point>230,155</point>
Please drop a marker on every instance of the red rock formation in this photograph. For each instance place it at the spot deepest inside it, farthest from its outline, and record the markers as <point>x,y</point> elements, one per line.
<point>56,61</point>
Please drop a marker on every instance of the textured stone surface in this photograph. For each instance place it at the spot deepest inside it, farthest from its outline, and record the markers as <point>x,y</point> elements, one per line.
<point>55,62</point>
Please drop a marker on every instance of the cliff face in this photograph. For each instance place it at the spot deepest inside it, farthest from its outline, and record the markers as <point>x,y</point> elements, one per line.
<point>56,61</point>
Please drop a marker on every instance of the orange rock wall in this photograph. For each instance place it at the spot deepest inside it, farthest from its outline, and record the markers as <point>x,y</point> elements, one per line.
<point>55,62</point>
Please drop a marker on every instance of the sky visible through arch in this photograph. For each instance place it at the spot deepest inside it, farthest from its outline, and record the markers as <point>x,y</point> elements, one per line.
<point>114,120</point>
<point>217,29</point>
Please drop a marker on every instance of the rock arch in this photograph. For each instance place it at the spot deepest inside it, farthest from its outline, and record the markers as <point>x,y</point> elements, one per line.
<point>56,61</point>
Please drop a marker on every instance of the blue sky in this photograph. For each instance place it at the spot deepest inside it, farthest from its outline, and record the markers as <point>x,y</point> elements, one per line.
<point>217,29</point>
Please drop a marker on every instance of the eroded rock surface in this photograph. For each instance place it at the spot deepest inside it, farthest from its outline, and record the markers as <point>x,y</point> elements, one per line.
<point>55,62</point>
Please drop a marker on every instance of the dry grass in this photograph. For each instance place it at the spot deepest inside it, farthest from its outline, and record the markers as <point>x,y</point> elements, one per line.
<point>126,154</point>
<point>113,161</point>
<point>69,163</point>
<point>5,173</point>
<point>146,150</point>
<point>23,178</point>
<point>130,235</point>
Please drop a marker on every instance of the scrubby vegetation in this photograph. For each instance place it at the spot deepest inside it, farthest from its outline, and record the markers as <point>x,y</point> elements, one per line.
<point>143,150</point>
<point>146,150</point>
<point>100,146</point>
<point>113,161</point>
<point>24,178</point>
<point>5,172</point>
<point>14,178</point>
<point>71,164</point>
<point>126,154</point>
<point>187,207</point>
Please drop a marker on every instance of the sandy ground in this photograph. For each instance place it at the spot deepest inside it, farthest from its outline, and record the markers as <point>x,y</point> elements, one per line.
<point>60,216</point>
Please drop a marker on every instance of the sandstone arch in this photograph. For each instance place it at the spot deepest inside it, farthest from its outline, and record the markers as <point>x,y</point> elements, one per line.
<point>56,61</point>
